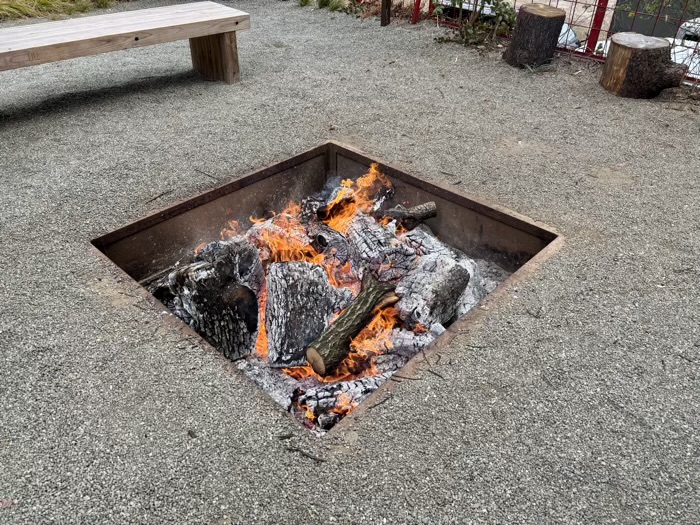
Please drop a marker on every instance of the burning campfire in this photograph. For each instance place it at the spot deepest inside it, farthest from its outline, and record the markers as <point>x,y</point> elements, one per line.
<point>324,301</point>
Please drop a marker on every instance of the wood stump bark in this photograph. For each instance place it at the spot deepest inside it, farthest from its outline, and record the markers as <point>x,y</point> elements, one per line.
<point>640,66</point>
<point>326,353</point>
<point>535,36</point>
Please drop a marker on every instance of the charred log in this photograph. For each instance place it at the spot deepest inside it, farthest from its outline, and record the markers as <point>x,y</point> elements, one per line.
<point>379,249</point>
<point>216,295</point>
<point>279,385</point>
<point>424,242</point>
<point>330,243</point>
<point>333,396</point>
<point>326,353</point>
<point>409,218</point>
<point>430,291</point>
<point>300,305</point>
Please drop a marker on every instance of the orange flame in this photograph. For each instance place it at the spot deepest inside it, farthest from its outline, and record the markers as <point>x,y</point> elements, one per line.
<point>261,348</point>
<point>355,197</point>
<point>373,340</point>
<point>344,405</point>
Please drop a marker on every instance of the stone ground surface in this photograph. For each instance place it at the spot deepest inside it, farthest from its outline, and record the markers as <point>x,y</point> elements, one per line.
<point>574,399</point>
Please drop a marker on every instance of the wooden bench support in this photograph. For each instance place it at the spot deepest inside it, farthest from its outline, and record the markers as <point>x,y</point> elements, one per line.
<point>210,27</point>
<point>216,57</point>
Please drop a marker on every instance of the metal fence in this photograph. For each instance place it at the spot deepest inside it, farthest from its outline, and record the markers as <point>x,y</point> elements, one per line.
<point>590,24</point>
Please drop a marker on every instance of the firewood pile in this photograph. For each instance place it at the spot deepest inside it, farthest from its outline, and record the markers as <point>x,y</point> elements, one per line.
<point>323,302</point>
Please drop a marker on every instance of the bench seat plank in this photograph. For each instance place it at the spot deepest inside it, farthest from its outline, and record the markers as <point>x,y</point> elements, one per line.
<point>35,44</point>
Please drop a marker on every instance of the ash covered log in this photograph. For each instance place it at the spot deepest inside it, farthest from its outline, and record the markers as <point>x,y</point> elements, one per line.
<point>424,242</point>
<point>404,345</point>
<point>282,230</point>
<point>216,295</point>
<point>384,254</point>
<point>300,305</point>
<point>346,394</point>
<point>326,353</point>
<point>430,291</point>
<point>276,383</point>
<point>331,243</point>
<point>409,218</point>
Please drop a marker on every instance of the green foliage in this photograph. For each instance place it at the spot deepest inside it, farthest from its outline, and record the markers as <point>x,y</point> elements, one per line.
<point>323,3</point>
<point>10,9</point>
<point>304,3</point>
<point>336,5</point>
<point>477,28</point>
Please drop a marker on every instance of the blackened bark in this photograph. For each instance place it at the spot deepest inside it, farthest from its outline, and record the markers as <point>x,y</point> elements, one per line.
<point>300,305</point>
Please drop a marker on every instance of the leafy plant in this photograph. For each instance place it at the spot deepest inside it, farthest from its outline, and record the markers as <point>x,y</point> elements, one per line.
<point>304,3</point>
<point>323,3</point>
<point>47,8</point>
<point>336,5</point>
<point>478,28</point>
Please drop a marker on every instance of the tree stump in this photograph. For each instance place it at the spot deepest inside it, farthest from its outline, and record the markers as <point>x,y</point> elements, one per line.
<point>535,36</point>
<point>640,66</point>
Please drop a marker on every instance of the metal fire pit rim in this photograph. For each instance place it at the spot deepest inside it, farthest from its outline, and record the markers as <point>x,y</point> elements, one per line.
<point>468,200</point>
<point>555,241</point>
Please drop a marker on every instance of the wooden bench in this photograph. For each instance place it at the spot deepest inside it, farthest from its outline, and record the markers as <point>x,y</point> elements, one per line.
<point>210,27</point>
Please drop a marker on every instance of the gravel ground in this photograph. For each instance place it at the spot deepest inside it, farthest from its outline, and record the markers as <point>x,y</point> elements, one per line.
<point>574,399</point>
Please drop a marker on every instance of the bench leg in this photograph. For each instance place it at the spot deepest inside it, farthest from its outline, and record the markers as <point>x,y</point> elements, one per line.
<point>216,57</point>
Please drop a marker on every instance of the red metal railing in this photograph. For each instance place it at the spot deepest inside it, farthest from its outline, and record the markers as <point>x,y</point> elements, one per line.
<point>592,22</point>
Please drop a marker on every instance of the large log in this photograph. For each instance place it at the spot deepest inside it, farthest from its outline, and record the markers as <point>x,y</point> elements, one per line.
<point>424,242</point>
<point>216,295</point>
<point>327,352</point>
<point>535,36</point>
<point>300,305</point>
<point>640,66</point>
<point>379,249</point>
<point>430,291</point>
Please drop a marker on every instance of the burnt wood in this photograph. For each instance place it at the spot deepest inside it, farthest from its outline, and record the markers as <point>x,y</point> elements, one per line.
<point>300,305</point>
<point>430,291</point>
<point>379,249</point>
<point>409,218</point>
<point>217,295</point>
<point>327,352</point>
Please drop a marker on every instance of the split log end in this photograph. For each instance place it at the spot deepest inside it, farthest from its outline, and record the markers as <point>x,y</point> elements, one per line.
<point>316,361</point>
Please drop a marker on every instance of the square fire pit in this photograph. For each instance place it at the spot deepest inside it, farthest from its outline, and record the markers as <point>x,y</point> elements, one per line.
<point>165,248</point>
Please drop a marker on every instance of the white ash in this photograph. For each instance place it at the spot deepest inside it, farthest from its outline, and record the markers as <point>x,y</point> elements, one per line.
<point>430,291</point>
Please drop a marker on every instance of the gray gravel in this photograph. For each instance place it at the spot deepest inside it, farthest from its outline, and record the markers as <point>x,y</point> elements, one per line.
<point>585,411</point>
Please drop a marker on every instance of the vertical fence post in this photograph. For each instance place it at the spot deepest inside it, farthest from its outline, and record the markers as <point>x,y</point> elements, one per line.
<point>598,18</point>
<point>416,11</point>
<point>386,12</point>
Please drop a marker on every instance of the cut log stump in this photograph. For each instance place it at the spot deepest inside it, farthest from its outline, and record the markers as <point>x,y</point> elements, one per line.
<point>640,66</point>
<point>535,36</point>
